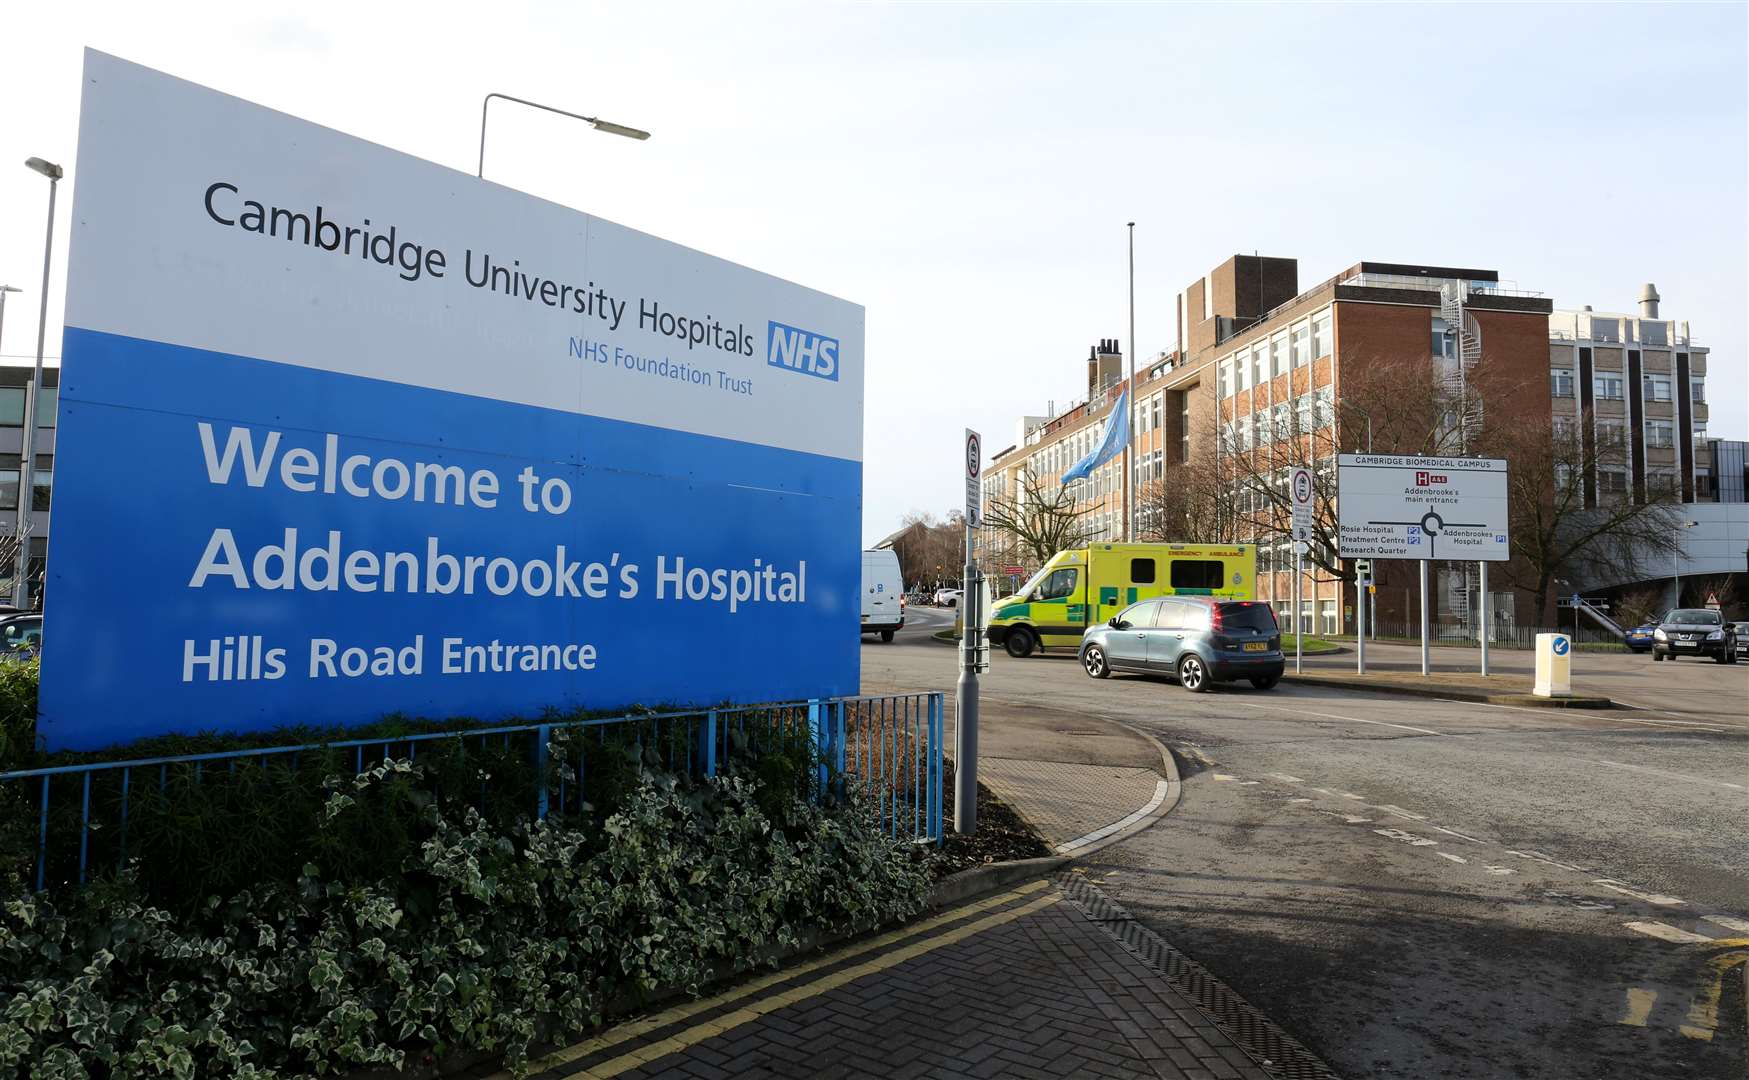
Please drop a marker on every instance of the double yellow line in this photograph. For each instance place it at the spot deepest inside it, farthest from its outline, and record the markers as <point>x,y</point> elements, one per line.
<point>917,934</point>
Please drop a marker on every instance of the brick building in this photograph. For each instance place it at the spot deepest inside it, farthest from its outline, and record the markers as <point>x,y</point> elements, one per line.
<point>1259,361</point>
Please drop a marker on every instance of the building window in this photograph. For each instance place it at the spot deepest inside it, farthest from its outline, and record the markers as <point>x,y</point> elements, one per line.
<point>1611,434</point>
<point>1697,390</point>
<point>1700,432</point>
<point>1283,421</point>
<point>1278,354</point>
<point>1561,382</point>
<point>11,406</point>
<point>1224,379</point>
<point>1259,363</point>
<point>1443,345</point>
<point>1154,407</point>
<point>1302,345</point>
<point>1612,481</point>
<point>1303,408</point>
<point>1608,387</point>
<point>1245,433</point>
<point>1329,608</point>
<point>1657,387</point>
<point>9,487</point>
<point>1326,407</point>
<point>42,482</point>
<point>1563,428</point>
<point>1183,425</point>
<point>1660,433</point>
<point>1321,335</point>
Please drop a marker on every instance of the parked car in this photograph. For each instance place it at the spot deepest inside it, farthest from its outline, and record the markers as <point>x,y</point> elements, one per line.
<point>21,634</point>
<point>1695,632</point>
<point>1742,628</point>
<point>948,597</point>
<point>1639,638</point>
<point>1197,640</point>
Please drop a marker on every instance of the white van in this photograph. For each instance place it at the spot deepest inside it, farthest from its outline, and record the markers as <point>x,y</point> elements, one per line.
<point>883,593</point>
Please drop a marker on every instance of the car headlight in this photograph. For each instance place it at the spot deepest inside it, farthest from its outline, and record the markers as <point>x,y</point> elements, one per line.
<point>1660,635</point>
<point>1716,635</point>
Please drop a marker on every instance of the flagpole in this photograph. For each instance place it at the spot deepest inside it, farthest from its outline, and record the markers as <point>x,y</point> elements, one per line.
<point>1129,462</point>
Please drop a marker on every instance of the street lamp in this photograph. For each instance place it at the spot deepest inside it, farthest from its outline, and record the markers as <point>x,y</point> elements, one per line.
<point>595,122</point>
<point>4,289</point>
<point>27,459</point>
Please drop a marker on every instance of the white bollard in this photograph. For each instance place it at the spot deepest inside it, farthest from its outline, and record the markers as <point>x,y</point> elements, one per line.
<point>1554,666</point>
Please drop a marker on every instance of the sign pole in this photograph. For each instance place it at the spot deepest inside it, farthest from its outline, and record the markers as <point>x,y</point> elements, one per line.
<point>1487,625</point>
<point>1425,656</point>
<point>1299,624</point>
<point>1360,581</point>
<point>965,729</point>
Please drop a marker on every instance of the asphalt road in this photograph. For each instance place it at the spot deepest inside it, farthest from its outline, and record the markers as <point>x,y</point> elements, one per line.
<point>1422,888</point>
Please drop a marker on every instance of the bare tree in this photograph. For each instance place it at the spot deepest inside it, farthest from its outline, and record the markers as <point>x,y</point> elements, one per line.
<point>1183,506</point>
<point>1639,606</point>
<point>1555,534</point>
<point>1039,520</point>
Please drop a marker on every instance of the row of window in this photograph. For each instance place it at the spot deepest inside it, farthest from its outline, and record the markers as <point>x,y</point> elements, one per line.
<point>1307,413</point>
<point>1612,387</point>
<point>1614,433</point>
<point>1294,347</point>
<point>12,406</point>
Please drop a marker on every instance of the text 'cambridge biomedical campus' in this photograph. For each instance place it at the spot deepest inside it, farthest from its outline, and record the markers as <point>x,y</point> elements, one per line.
<point>1162,541</point>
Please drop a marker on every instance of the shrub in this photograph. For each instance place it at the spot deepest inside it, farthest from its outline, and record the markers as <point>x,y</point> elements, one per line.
<point>479,935</point>
<point>18,680</point>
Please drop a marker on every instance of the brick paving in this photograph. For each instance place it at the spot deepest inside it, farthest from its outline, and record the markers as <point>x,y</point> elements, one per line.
<point>1064,800</point>
<point>1027,985</point>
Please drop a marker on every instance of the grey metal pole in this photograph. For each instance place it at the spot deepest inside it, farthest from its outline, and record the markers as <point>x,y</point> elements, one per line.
<point>965,729</point>
<point>1426,655</point>
<point>1299,623</point>
<point>1129,457</point>
<point>1487,626</point>
<point>1359,624</point>
<point>595,122</point>
<point>27,460</point>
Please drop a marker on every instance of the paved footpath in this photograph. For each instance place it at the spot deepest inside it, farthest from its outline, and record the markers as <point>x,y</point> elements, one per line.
<point>1048,979</point>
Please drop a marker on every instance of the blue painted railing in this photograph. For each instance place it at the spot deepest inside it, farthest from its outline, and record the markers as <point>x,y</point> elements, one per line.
<point>889,746</point>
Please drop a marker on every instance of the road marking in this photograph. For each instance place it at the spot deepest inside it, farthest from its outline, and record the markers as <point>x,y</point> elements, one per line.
<point>1540,857</point>
<point>1459,859</point>
<point>1459,835</point>
<point>1285,778</point>
<point>1335,716</point>
<point>625,1032</point>
<point>1299,800</point>
<point>1729,922</point>
<point>1406,837</point>
<point>1325,791</point>
<point>1703,1015</point>
<point>1402,813</point>
<point>1224,776</point>
<point>1670,775</point>
<point>1352,795</point>
<point>729,1021</point>
<point>1666,932</point>
<point>1160,789</point>
<point>1640,1004</point>
<point>1499,871</point>
<point>1651,898</point>
<point>1352,819</point>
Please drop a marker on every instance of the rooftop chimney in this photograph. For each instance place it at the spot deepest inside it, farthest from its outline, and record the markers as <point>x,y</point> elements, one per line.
<point>1649,301</point>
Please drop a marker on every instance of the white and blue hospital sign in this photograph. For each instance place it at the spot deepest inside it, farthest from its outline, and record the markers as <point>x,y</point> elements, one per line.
<point>345,433</point>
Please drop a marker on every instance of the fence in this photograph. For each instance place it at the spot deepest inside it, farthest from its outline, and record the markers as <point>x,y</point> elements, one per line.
<point>1505,637</point>
<point>889,746</point>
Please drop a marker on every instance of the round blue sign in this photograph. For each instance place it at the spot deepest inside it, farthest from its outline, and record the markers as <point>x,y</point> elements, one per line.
<point>1561,646</point>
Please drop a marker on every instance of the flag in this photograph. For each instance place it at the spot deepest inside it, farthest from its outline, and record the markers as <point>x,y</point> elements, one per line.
<point>1117,436</point>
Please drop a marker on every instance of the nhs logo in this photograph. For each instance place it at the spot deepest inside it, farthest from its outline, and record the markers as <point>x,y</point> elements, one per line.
<point>802,350</point>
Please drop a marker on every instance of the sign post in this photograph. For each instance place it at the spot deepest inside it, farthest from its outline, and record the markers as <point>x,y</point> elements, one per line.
<point>1362,579</point>
<point>965,741</point>
<point>1423,508</point>
<point>1300,483</point>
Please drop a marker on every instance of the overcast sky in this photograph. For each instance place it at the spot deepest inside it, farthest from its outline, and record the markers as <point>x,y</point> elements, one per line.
<point>965,172</point>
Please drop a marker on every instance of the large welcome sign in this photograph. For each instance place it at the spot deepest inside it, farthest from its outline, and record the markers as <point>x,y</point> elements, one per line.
<point>344,433</point>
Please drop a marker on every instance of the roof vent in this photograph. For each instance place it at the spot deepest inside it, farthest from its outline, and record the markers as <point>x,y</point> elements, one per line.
<point>1649,301</point>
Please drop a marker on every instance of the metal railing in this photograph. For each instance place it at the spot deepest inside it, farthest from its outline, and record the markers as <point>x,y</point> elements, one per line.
<point>889,746</point>
<point>1505,637</point>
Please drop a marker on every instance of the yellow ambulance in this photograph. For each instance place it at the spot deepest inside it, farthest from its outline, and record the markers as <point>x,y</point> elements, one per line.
<point>1086,586</point>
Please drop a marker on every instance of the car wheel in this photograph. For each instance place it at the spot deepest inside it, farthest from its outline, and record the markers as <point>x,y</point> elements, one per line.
<point>1093,659</point>
<point>1266,682</point>
<point>1193,674</point>
<point>1020,643</point>
<point>887,636</point>
<point>1657,656</point>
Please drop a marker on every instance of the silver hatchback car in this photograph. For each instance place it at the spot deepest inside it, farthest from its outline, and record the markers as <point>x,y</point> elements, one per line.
<point>1198,640</point>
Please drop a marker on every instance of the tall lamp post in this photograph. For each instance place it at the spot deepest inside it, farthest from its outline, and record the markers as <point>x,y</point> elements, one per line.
<point>596,122</point>
<point>4,289</point>
<point>27,459</point>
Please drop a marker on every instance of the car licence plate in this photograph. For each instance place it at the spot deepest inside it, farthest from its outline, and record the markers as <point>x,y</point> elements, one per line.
<point>1256,646</point>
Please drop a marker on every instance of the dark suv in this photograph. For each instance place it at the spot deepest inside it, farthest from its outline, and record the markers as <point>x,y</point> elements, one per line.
<point>1197,639</point>
<point>1695,632</point>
